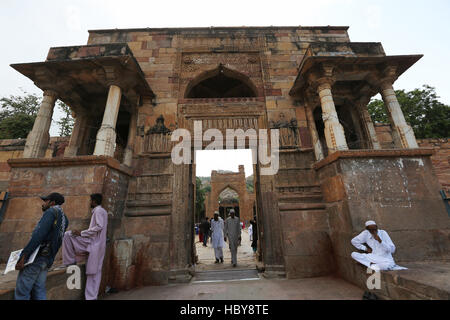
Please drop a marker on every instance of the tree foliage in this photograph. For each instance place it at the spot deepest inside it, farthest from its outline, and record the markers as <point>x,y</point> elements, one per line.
<point>18,113</point>
<point>66,122</point>
<point>428,117</point>
<point>200,193</point>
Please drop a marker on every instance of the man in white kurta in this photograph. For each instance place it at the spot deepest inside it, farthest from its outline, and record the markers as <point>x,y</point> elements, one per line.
<point>232,231</point>
<point>379,248</point>
<point>91,241</point>
<point>217,236</point>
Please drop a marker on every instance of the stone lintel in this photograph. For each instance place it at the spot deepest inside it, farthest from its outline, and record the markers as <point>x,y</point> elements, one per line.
<point>311,67</point>
<point>68,162</point>
<point>421,152</point>
<point>81,75</point>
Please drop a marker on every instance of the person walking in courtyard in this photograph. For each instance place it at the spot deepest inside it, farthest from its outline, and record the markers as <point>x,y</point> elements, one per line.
<point>254,234</point>
<point>232,231</point>
<point>91,241</point>
<point>217,237</point>
<point>204,229</point>
<point>378,247</point>
<point>47,236</point>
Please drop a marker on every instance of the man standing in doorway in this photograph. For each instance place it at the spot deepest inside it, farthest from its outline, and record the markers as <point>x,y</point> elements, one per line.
<point>204,228</point>
<point>254,238</point>
<point>217,236</point>
<point>47,236</point>
<point>91,241</point>
<point>232,230</point>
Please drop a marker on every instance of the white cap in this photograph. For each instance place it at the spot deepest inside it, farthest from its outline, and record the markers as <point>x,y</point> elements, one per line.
<point>216,212</point>
<point>232,211</point>
<point>370,223</point>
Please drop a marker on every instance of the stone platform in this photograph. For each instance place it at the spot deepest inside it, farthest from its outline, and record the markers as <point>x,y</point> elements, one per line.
<point>428,280</point>
<point>56,284</point>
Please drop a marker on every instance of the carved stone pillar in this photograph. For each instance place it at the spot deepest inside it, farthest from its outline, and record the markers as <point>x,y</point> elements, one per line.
<point>78,131</point>
<point>318,151</point>
<point>128,158</point>
<point>403,134</point>
<point>106,135</point>
<point>334,132</point>
<point>367,124</point>
<point>38,138</point>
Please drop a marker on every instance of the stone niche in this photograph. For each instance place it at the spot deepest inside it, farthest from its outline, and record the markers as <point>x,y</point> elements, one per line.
<point>397,189</point>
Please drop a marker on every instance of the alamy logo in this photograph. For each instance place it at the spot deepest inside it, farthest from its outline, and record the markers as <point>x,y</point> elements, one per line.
<point>374,281</point>
<point>74,280</point>
<point>258,143</point>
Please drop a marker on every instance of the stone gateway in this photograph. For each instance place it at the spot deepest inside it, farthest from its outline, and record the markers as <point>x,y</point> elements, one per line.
<point>130,89</point>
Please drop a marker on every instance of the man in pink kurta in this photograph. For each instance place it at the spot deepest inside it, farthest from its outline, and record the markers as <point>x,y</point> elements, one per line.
<point>91,241</point>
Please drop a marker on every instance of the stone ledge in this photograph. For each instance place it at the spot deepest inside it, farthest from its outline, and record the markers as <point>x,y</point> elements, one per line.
<point>393,153</point>
<point>71,161</point>
<point>56,285</point>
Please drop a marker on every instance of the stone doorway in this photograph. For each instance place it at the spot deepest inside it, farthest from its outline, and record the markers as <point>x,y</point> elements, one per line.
<point>224,190</point>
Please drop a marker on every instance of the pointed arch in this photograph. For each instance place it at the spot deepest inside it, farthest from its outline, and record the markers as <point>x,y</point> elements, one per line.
<point>220,82</point>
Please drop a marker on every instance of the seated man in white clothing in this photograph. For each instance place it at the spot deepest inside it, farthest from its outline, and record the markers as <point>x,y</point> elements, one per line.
<point>378,247</point>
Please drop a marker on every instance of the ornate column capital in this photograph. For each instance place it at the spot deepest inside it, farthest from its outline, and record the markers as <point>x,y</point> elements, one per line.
<point>50,93</point>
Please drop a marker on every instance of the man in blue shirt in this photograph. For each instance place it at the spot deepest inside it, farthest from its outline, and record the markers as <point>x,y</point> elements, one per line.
<point>47,235</point>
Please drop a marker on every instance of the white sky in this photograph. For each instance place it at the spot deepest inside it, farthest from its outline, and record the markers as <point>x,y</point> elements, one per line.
<point>29,28</point>
<point>208,160</point>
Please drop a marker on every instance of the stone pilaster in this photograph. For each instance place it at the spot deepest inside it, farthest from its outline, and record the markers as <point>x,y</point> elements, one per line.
<point>318,151</point>
<point>368,125</point>
<point>334,132</point>
<point>403,134</point>
<point>106,135</point>
<point>39,137</point>
<point>78,131</point>
<point>128,158</point>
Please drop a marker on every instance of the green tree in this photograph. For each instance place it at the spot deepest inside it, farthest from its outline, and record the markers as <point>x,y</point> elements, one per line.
<point>199,199</point>
<point>18,113</point>
<point>428,117</point>
<point>65,124</point>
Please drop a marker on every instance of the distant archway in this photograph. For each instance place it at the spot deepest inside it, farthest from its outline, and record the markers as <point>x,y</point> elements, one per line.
<point>221,83</point>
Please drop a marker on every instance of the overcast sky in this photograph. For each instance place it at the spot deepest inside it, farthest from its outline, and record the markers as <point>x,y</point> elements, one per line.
<point>29,28</point>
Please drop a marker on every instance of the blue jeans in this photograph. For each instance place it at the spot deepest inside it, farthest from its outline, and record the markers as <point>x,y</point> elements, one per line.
<point>31,280</point>
<point>205,238</point>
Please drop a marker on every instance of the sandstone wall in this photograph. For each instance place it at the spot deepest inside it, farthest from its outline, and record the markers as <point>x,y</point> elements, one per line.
<point>440,159</point>
<point>400,193</point>
<point>13,149</point>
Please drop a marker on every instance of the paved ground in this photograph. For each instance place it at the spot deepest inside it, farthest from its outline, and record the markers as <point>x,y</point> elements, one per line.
<point>221,282</point>
<point>325,288</point>
<point>246,258</point>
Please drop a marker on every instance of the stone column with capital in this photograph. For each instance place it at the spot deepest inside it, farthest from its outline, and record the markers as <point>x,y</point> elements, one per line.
<point>106,136</point>
<point>403,134</point>
<point>128,158</point>
<point>367,124</point>
<point>78,131</point>
<point>334,132</point>
<point>39,137</point>
<point>318,151</point>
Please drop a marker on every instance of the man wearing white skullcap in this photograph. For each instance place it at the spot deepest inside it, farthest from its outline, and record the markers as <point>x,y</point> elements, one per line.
<point>378,247</point>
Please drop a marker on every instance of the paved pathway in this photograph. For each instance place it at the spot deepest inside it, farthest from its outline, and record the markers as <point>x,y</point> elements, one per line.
<point>324,288</point>
<point>246,258</point>
<point>222,282</point>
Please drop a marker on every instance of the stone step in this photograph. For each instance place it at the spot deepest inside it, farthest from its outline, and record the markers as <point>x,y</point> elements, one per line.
<point>311,197</point>
<point>226,275</point>
<point>146,203</point>
<point>300,206</point>
<point>141,208</point>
